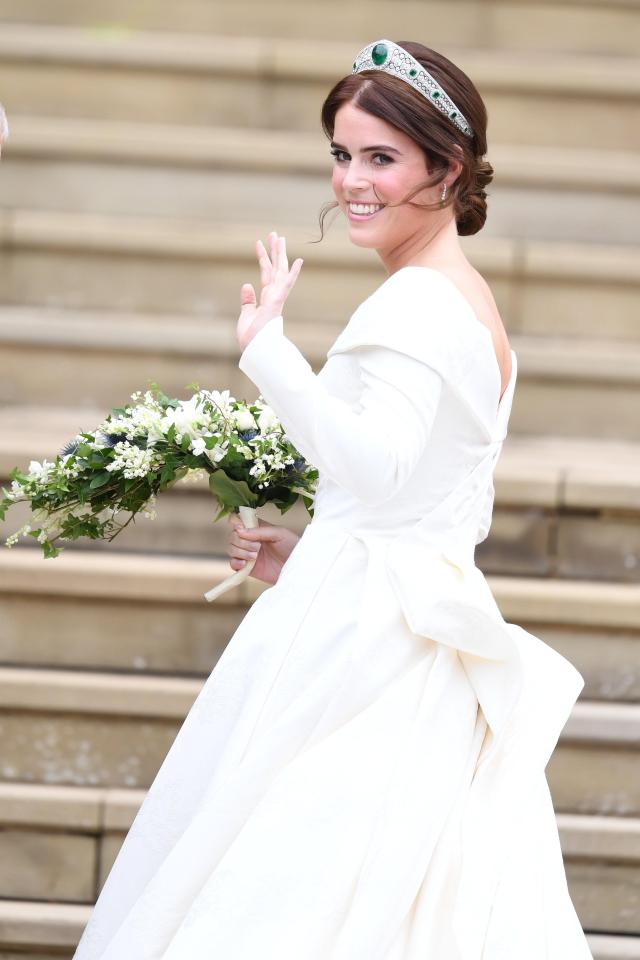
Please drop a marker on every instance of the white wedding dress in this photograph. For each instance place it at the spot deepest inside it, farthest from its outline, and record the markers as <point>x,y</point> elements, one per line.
<point>362,776</point>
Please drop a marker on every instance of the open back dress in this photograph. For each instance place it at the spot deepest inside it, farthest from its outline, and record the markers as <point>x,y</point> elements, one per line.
<point>362,776</point>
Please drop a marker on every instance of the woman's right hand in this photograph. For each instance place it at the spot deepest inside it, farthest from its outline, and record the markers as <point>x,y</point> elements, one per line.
<point>269,543</point>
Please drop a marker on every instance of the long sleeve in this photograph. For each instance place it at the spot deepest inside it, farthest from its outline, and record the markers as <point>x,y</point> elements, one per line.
<point>371,452</point>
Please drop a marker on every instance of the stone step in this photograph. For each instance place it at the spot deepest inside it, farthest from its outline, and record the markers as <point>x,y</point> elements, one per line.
<point>170,266</point>
<point>245,175</point>
<point>78,832</point>
<point>113,729</point>
<point>589,387</point>
<point>34,930</point>
<point>530,97</point>
<point>148,617</point>
<point>573,26</point>
<point>564,507</point>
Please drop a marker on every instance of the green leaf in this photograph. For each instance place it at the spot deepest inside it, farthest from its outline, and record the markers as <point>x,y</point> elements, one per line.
<point>100,480</point>
<point>231,493</point>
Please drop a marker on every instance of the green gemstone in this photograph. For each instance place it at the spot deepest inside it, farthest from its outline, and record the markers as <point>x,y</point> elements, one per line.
<point>413,72</point>
<point>379,54</point>
<point>435,94</point>
<point>453,114</point>
<point>355,66</point>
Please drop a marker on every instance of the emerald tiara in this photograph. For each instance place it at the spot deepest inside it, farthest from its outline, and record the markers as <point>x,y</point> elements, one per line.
<point>396,61</point>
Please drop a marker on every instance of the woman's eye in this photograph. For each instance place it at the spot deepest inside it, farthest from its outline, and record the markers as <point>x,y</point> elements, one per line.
<point>341,154</point>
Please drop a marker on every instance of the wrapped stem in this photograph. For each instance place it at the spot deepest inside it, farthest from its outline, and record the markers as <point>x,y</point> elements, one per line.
<point>249,517</point>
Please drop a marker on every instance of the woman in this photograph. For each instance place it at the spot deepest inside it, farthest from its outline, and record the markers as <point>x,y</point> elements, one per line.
<point>362,775</point>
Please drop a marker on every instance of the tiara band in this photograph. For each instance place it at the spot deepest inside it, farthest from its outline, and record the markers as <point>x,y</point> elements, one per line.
<point>398,62</point>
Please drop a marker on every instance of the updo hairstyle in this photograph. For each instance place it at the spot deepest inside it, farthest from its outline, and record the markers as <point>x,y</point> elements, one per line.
<point>393,100</point>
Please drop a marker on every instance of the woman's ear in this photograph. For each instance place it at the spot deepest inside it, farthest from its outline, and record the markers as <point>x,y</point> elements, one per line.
<point>455,166</point>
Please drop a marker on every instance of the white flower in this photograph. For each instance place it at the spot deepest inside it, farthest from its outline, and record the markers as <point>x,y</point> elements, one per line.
<point>244,420</point>
<point>198,446</point>
<point>187,418</point>
<point>221,399</point>
<point>133,461</point>
<point>267,419</point>
<point>219,452</point>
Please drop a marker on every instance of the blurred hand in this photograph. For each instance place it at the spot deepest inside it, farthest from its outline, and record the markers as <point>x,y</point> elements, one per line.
<point>271,544</point>
<point>277,282</point>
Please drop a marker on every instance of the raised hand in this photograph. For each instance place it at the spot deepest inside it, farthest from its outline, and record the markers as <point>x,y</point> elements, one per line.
<point>277,281</point>
<point>271,544</point>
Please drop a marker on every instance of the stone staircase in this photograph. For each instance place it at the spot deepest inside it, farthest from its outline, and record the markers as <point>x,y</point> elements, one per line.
<point>149,148</point>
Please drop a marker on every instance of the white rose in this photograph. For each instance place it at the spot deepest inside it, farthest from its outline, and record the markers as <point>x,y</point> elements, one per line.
<point>244,420</point>
<point>267,419</point>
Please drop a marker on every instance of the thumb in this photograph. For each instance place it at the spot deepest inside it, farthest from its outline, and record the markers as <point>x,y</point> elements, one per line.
<point>247,295</point>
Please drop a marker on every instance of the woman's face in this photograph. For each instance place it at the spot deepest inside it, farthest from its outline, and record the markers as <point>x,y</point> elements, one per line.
<point>394,168</point>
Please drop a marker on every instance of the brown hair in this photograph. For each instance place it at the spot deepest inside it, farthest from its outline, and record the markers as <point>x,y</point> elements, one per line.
<point>393,100</point>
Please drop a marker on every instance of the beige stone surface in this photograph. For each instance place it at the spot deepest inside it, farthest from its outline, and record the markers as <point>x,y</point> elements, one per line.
<point>40,805</point>
<point>42,865</point>
<point>185,638</point>
<point>600,548</point>
<point>83,750</point>
<point>573,25</point>
<point>34,925</point>
<point>597,779</point>
<point>608,659</point>
<point>176,74</point>
<point>606,897</point>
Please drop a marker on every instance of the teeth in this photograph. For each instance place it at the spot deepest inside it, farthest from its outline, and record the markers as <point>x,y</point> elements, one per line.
<point>363,209</point>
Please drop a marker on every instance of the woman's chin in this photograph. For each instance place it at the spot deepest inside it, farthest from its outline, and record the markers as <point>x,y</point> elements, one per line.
<point>362,238</point>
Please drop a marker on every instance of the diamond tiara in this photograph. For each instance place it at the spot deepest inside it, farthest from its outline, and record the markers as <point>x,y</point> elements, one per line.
<point>396,61</point>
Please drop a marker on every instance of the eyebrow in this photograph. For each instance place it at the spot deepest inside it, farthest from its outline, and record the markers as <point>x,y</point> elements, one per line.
<point>381,146</point>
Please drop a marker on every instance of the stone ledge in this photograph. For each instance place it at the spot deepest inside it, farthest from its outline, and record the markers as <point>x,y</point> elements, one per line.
<point>195,239</point>
<point>162,578</point>
<point>88,693</point>
<point>72,138</point>
<point>85,692</point>
<point>285,59</point>
<point>545,358</point>
<point>99,809</point>
<point>550,472</point>
<point>23,923</point>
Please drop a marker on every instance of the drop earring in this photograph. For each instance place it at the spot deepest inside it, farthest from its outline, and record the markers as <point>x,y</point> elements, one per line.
<point>443,194</point>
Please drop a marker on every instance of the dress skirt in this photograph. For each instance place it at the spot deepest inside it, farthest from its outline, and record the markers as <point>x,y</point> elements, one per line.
<point>313,804</point>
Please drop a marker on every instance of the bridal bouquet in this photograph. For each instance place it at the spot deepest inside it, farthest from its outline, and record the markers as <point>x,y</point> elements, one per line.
<point>103,478</point>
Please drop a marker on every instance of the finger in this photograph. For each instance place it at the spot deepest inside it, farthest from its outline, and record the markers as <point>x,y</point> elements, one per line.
<point>244,553</point>
<point>247,295</point>
<point>259,534</point>
<point>264,262</point>
<point>283,263</point>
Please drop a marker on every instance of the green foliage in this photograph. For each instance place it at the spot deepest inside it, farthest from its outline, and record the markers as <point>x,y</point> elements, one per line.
<point>97,488</point>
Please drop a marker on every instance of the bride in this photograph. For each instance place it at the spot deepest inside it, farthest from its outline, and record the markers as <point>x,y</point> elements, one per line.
<point>362,776</point>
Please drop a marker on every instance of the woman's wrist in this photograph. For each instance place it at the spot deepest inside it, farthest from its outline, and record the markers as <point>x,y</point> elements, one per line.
<point>252,332</point>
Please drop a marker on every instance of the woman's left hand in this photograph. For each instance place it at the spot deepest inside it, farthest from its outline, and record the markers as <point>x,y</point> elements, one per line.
<point>277,282</point>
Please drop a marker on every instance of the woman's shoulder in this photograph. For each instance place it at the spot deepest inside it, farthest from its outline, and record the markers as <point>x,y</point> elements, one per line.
<point>418,311</point>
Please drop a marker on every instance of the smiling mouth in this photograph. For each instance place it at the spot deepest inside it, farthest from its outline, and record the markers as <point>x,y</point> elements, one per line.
<point>364,211</point>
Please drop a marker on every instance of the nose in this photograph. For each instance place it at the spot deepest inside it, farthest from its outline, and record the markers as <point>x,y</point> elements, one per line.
<point>355,178</point>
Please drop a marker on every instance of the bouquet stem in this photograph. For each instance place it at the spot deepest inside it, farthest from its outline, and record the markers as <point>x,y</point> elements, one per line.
<point>249,517</point>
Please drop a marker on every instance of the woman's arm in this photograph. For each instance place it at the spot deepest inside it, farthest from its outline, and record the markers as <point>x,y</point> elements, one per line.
<point>371,453</point>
